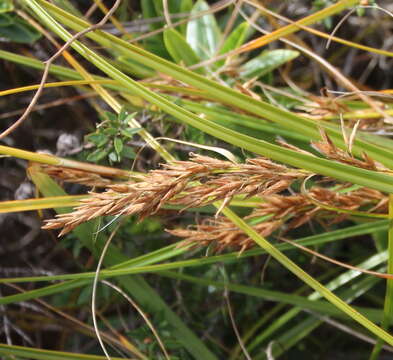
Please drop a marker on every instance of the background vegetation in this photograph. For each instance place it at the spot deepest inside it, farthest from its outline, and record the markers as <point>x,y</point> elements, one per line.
<point>224,174</point>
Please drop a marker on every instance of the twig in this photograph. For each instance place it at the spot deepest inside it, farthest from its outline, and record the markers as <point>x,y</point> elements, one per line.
<point>347,329</point>
<point>235,329</point>
<point>139,310</point>
<point>94,291</point>
<point>331,35</point>
<point>167,13</point>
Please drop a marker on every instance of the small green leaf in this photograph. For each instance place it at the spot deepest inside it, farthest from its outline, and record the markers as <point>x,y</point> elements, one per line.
<point>129,117</point>
<point>97,139</point>
<point>110,131</point>
<point>123,114</point>
<point>203,34</point>
<point>267,62</point>
<point>97,155</point>
<point>114,157</point>
<point>109,116</point>
<point>130,132</point>
<point>118,145</point>
<point>178,48</point>
<point>128,152</point>
<point>234,40</point>
<point>18,31</point>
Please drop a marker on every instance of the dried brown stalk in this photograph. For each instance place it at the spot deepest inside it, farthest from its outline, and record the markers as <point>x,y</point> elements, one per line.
<point>200,181</point>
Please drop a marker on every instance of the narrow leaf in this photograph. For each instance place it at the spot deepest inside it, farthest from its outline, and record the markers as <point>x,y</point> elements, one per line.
<point>178,48</point>
<point>267,62</point>
<point>236,38</point>
<point>203,33</point>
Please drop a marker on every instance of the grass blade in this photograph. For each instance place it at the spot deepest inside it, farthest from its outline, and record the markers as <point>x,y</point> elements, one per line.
<point>388,306</point>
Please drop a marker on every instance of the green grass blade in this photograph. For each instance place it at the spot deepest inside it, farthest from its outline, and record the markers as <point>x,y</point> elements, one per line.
<point>41,354</point>
<point>298,332</point>
<point>38,204</point>
<point>388,306</point>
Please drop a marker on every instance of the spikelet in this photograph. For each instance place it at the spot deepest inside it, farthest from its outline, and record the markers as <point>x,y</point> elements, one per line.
<point>285,213</point>
<point>331,151</point>
<point>197,182</point>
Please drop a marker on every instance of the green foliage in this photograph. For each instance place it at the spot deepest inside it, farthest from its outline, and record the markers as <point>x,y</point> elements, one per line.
<point>179,49</point>
<point>14,29</point>
<point>266,62</point>
<point>203,33</point>
<point>110,139</point>
<point>320,4</point>
<point>134,68</point>
<point>183,296</point>
<point>6,6</point>
<point>234,40</point>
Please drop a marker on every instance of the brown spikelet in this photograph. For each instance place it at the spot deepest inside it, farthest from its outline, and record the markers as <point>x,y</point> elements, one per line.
<point>285,212</point>
<point>196,182</point>
<point>331,151</point>
<point>222,234</point>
